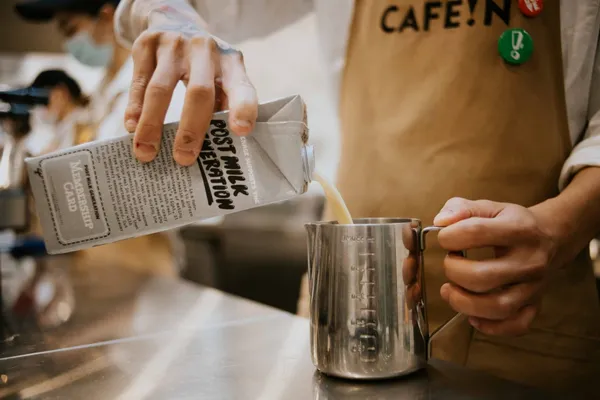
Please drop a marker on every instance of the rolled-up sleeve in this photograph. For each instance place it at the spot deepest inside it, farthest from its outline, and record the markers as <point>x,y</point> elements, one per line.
<point>230,20</point>
<point>129,25</point>
<point>586,152</point>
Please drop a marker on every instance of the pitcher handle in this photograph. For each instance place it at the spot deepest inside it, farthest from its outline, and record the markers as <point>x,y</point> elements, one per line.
<point>458,316</point>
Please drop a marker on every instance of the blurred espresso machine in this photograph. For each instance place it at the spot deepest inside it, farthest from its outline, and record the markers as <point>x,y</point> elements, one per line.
<point>14,128</point>
<point>15,214</point>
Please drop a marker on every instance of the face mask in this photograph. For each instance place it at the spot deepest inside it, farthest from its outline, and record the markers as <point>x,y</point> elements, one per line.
<point>83,48</point>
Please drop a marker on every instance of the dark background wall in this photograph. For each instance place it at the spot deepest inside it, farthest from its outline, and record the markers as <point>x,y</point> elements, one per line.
<point>17,36</point>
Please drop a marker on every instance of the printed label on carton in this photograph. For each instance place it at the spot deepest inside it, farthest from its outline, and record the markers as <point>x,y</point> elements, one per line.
<point>72,193</point>
<point>99,193</point>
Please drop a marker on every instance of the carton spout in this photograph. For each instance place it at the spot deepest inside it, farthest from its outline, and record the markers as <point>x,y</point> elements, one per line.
<point>308,157</point>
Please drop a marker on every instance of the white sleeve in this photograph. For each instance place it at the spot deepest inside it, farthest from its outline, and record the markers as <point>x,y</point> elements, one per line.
<point>586,152</point>
<point>112,125</point>
<point>231,20</point>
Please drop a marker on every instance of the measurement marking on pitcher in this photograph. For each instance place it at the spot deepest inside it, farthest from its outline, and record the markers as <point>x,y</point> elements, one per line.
<point>357,239</point>
<point>356,268</point>
<point>361,322</point>
<point>368,347</point>
<point>365,322</point>
<point>362,296</point>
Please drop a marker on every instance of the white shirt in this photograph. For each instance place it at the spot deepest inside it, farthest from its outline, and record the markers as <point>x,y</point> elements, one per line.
<point>238,20</point>
<point>64,131</point>
<point>109,103</point>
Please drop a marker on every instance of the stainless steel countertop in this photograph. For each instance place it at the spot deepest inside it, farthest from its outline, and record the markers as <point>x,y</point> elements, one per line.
<point>139,337</point>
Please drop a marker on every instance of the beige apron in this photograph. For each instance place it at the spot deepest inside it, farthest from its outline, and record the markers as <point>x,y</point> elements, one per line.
<point>432,112</point>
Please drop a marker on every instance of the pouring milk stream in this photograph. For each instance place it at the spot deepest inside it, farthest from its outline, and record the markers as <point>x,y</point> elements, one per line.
<point>334,198</point>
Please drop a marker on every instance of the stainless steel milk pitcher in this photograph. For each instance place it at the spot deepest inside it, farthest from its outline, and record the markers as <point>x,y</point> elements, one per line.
<point>368,318</point>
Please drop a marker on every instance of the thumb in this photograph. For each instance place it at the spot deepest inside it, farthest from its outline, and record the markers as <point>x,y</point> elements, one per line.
<point>458,209</point>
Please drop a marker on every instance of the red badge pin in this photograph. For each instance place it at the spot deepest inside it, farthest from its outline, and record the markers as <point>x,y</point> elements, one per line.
<point>531,8</point>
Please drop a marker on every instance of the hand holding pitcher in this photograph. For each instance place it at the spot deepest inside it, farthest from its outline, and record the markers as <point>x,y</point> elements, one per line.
<point>500,295</point>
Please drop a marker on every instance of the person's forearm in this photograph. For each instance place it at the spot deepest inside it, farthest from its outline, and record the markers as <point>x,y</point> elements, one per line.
<point>573,217</point>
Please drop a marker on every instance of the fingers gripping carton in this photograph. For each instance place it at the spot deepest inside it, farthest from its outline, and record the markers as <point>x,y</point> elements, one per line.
<point>98,193</point>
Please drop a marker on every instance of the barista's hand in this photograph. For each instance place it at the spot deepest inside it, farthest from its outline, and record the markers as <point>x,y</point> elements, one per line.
<point>500,295</point>
<point>174,48</point>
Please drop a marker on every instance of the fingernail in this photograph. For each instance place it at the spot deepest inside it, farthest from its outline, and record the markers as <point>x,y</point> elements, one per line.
<point>145,151</point>
<point>445,214</point>
<point>243,123</point>
<point>185,157</point>
<point>474,322</point>
<point>130,125</point>
<point>442,218</point>
<point>445,292</point>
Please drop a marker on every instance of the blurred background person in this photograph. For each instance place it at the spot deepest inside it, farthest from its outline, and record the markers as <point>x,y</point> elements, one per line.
<point>86,27</point>
<point>64,122</point>
<point>67,115</point>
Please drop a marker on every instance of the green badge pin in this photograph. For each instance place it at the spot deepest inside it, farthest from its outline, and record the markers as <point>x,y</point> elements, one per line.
<point>515,46</point>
